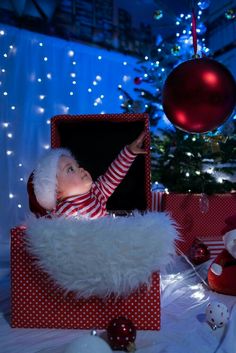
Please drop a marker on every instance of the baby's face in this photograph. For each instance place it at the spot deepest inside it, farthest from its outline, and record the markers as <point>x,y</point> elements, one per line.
<point>71,178</point>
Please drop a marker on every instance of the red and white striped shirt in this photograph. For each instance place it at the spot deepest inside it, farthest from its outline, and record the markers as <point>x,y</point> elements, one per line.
<point>93,204</point>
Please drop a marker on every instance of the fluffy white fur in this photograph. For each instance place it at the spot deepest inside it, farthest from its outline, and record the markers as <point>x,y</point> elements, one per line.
<point>45,177</point>
<point>103,256</point>
<point>230,242</point>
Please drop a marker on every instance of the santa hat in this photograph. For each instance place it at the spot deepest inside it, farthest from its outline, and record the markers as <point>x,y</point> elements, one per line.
<point>229,235</point>
<point>44,178</point>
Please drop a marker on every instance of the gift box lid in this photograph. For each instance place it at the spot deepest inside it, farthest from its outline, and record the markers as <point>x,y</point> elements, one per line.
<point>96,140</point>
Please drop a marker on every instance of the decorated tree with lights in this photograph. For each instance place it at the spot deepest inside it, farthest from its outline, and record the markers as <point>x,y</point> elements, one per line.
<point>182,161</point>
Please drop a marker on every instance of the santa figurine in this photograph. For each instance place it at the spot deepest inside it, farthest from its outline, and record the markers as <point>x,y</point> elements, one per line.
<point>221,274</point>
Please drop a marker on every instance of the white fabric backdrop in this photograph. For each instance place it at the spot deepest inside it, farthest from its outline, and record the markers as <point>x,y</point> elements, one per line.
<point>41,77</point>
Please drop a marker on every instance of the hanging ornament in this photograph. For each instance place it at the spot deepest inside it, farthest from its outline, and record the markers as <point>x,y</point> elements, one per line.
<point>199,95</point>
<point>198,252</point>
<point>204,203</point>
<point>88,344</point>
<point>175,50</point>
<point>230,14</point>
<point>204,4</point>
<point>158,14</point>
<point>121,334</point>
<point>138,80</point>
<point>217,314</point>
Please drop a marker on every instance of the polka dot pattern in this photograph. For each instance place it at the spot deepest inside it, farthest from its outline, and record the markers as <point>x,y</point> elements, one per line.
<point>38,303</point>
<point>56,140</point>
<point>185,210</point>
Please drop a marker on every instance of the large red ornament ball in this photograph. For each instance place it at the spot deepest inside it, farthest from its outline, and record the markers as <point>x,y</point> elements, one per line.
<point>198,252</point>
<point>199,95</point>
<point>121,334</point>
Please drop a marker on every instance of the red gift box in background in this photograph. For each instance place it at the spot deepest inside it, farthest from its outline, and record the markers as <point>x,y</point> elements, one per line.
<point>195,222</point>
<point>36,302</point>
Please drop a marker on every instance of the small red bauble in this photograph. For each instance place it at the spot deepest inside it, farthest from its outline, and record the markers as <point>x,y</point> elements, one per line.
<point>199,252</point>
<point>121,334</point>
<point>138,80</point>
<point>199,95</point>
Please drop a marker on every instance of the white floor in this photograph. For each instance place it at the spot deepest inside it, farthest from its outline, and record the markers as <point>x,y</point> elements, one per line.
<point>184,329</point>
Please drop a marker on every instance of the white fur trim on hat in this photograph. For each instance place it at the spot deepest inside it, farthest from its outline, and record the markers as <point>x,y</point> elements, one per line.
<point>45,177</point>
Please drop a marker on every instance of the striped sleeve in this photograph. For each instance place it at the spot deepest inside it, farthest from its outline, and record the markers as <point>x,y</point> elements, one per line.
<point>116,172</point>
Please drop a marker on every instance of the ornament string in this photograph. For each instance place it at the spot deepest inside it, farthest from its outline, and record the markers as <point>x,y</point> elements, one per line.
<point>194,32</point>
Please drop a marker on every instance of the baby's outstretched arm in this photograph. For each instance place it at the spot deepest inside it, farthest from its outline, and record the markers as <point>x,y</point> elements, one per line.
<point>116,172</point>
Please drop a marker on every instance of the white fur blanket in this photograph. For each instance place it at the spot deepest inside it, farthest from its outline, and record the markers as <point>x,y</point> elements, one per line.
<point>103,256</point>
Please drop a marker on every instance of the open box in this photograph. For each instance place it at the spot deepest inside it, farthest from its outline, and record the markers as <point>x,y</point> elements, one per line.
<point>95,140</point>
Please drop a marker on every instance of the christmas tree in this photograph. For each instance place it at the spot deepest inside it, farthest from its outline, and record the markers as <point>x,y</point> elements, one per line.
<point>181,162</point>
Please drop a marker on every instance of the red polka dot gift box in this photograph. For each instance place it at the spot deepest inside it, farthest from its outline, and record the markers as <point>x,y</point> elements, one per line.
<point>198,216</point>
<point>38,303</point>
<point>95,140</point>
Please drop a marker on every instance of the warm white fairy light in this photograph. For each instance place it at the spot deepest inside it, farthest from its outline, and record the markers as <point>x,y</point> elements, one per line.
<point>119,86</point>
<point>40,110</point>
<point>102,112</point>
<point>39,80</point>
<point>74,82</point>
<point>95,104</point>
<point>98,100</point>
<point>9,153</point>
<point>89,90</point>
<point>49,76</point>
<point>145,75</point>
<point>71,53</point>
<point>5,93</point>
<point>198,172</point>
<point>220,180</point>
<point>95,83</point>
<point>99,57</point>
<point>13,107</point>
<point>5,125</point>
<point>41,96</point>
<point>73,62</point>
<point>5,55</point>
<point>73,74</point>
<point>98,78</point>
<point>102,96</point>
<point>20,165</point>
<point>46,147</point>
<point>187,174</point>
<point>45,58</point>
<point>19,205</point>
<point>3,70</point>
<point>121,97</point>
<point>2,33</point>
<point>71,93</point>
<point>125,63</point>
<point>48,121</point>
<point>11,196</point>
<point>177,34</point>
<point>21,179</point>
<point>146,57</point>
<point>9,135</point>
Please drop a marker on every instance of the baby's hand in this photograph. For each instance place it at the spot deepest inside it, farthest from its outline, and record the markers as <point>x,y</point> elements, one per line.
<point>136,147</point>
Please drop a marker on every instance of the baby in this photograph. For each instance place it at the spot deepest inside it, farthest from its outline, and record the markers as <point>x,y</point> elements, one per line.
<point>64,188</point>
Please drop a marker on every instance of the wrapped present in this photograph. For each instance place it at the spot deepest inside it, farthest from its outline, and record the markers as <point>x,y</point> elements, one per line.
<point>37,300</point>
<point>198,216</point>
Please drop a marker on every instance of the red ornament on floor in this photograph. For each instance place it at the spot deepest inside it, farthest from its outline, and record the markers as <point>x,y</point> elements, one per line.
<point>198,253</point>
<point>121,334</point>
<point>199,95</point>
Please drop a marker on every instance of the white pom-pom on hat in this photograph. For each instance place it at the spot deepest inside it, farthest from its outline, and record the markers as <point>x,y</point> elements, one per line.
<point>45,182</point>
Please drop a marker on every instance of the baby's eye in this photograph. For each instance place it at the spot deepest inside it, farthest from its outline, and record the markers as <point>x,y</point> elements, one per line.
<point>70,169</point>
